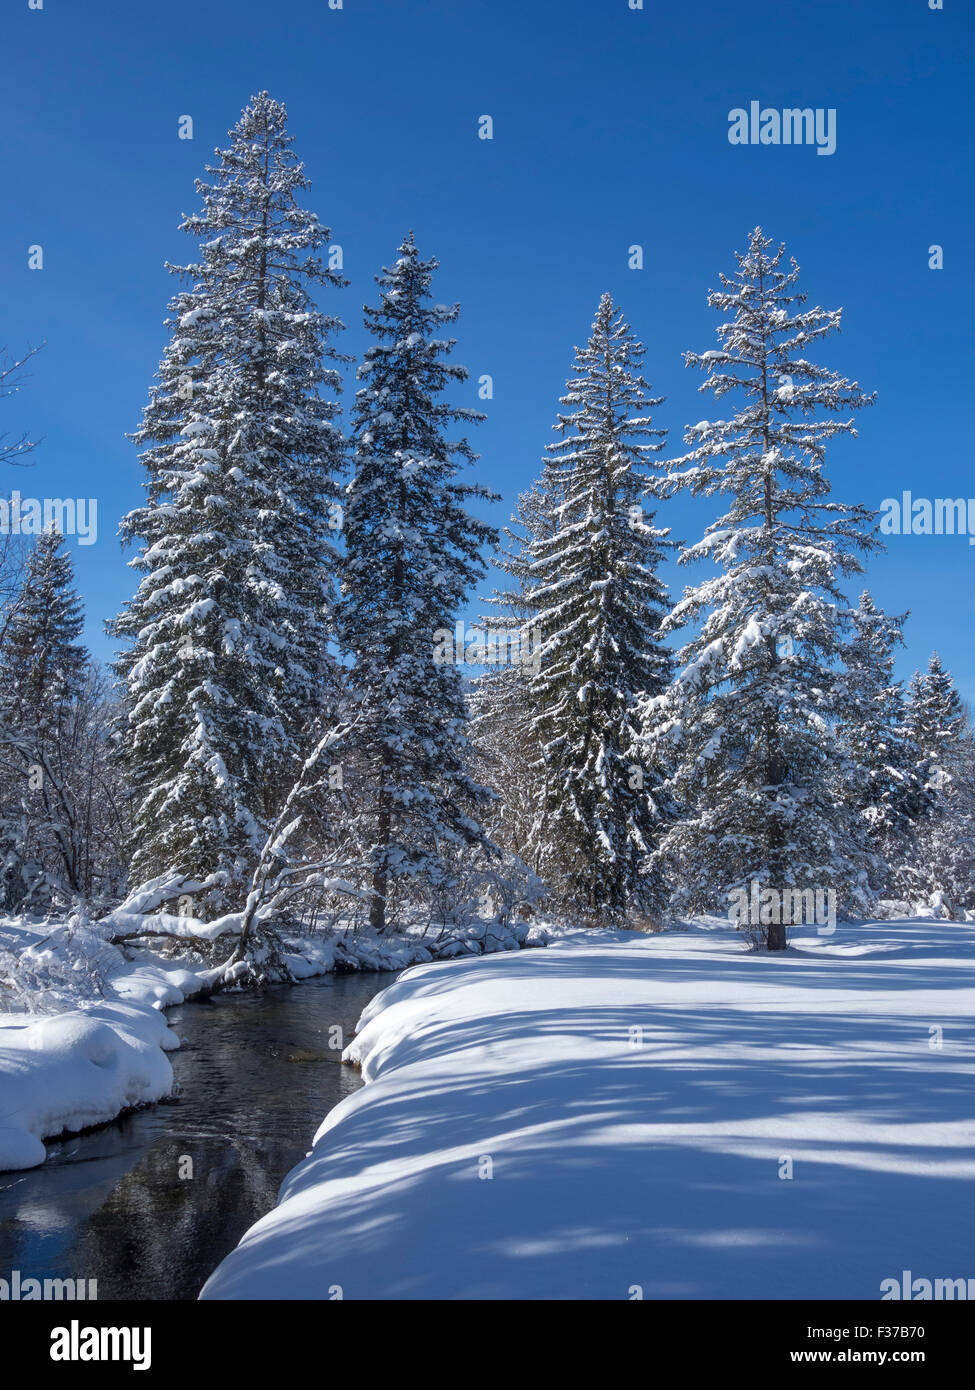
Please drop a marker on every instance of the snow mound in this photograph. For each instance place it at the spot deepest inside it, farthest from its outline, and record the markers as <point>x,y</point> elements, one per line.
<point>65,1072</point>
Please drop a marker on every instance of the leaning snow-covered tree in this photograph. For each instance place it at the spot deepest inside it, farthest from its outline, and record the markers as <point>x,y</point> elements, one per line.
<point>412,552</point>
<point>751,717</point>
<point>292,869</point>
<point>228,666</point>
<point>587,579</point>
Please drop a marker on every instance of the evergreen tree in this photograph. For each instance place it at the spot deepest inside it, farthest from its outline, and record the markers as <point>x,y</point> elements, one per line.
<point>935,723</point>
<point>43,674</point>
<point>752,716</point>
<point>588,575</point>
<point>412,552</point>
<point>44,664</point>
<point>941,869</point>
<point>881,784</point>
<point>945,854</point>
<point>228,663</point>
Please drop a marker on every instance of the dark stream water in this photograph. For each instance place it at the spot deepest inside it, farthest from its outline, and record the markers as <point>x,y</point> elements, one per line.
<point>257,1074</point>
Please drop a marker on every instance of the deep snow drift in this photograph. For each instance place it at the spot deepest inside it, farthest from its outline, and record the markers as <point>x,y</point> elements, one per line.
<point>618,1117</point>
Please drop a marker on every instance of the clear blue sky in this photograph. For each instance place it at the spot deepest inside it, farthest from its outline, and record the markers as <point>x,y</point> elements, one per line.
<point>610,128</point>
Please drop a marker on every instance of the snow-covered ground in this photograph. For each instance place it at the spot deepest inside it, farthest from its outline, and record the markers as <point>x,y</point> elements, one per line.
<point>666,1117</point>
<point>84,1038</point>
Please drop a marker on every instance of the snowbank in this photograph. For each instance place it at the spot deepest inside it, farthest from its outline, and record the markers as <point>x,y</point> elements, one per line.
<point>64,1072</point>
<point>95,1041</point>
<point>657,1117</point>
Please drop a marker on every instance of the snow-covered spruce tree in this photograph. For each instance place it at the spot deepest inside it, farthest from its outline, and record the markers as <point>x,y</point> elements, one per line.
<point>873,736</point>
<point>751,717</point>
<point>43,662</point>
<point>935,723</point>
<point>412,552</point>
<point>44,670</point>
<point>588,580</point>
<point>941,873</point>
<point>945,855</point>
<point>228,665</point>
<point>941,868</point>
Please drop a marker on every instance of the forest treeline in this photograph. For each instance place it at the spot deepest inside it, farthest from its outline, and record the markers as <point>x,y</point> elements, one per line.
<point>282,735</point>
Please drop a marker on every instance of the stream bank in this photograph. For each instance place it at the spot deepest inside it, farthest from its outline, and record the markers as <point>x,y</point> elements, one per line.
<point>148,1204</point>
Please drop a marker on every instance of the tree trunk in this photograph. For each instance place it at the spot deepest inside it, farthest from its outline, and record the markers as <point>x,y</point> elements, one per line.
<point>775,940</point>
<point>775,936</point>
<point>380,877</point>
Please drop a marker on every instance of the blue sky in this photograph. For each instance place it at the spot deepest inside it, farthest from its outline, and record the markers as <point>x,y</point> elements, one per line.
<point>610,128</point>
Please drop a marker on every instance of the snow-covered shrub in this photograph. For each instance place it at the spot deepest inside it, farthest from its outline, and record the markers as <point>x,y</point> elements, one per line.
<point>483,888</point>
<point>47,976</point>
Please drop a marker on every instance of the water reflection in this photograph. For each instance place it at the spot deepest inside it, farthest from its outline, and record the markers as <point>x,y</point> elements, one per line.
<point>256,1076</point>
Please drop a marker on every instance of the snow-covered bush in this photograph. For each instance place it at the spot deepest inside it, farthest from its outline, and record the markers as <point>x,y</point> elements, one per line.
<point>48,975</point>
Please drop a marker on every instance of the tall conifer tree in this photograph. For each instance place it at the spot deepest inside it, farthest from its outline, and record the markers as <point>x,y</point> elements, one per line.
<point>752,715</point>
<point>940,870</point>
<point>44,672</point>
<point>880,782</point>
<point>228,662</point>
<point>413,552</point>
<point>588,575</point>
